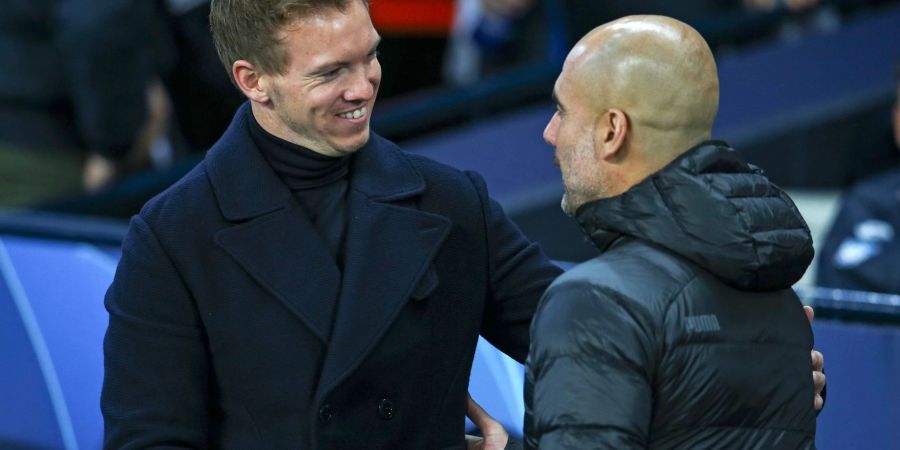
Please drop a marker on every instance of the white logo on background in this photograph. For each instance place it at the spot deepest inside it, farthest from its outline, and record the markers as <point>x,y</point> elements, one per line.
<point>868,238</point>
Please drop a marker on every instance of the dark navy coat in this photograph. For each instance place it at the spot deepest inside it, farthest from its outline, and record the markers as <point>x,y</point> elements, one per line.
<point>220,331</point>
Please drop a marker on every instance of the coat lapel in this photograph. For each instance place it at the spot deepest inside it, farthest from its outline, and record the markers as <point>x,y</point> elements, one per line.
<point>284,254</point>
<point>273,239</point>
<point>388,252</point>
<point>388,249</point>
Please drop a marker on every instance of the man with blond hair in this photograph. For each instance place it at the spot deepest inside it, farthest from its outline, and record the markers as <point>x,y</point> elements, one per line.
<point>684,332</point>
<point>309,285</point>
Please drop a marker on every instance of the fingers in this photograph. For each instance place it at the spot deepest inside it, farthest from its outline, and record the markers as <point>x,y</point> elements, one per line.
<point>474,443</point>
<point>475,412</point>
<point>480,417</point>
<point>818,361</point>
<point>810,313</point>
<point>818,366</point>
<point>819,382</point>
<point>495,436</point>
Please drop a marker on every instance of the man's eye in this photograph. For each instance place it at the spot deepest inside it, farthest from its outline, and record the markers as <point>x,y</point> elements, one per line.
<point>331,73</point>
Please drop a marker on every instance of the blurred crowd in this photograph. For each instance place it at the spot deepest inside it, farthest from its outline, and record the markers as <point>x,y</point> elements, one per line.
<point>103,88</point>
<point>862,248</point>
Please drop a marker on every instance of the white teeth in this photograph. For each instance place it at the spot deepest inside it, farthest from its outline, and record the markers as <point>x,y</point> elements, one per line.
<point>354,114</point>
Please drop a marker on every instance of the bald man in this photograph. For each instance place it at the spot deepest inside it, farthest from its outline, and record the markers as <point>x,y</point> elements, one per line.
<point>684,332</point>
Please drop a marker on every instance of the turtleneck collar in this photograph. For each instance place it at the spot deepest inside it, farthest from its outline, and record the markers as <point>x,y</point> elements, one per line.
<point>299,167</point>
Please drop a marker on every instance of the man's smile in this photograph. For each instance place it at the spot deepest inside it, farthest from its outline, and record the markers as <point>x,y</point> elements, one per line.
<point>355,114</point>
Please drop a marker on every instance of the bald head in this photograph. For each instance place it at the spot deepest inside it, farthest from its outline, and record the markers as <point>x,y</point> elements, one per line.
<point>659,71</point>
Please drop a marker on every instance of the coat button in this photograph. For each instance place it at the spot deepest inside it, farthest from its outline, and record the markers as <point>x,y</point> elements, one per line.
<point>326,413</point>
<point>386,409</point>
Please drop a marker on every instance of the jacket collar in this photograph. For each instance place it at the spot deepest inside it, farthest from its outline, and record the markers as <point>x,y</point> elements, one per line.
<point>245,185</point>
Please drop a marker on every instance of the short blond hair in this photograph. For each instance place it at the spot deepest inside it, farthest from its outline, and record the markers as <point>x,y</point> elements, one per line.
<point>248,29</point>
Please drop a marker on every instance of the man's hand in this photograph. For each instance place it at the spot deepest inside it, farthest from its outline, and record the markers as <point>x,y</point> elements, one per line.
<point>495,436</point>
<point>818,366</point>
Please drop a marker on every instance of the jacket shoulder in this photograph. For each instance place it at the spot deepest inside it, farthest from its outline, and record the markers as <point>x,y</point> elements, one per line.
<point>189,198</point>
<point>426,166</point>
<point>447,187</point>
<point>643,274</point>
<point>437,171</point>
<point>636,286</point>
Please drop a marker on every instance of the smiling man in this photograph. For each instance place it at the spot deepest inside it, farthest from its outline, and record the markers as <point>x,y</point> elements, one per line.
<point>309,285</point>
<point>322,94</point>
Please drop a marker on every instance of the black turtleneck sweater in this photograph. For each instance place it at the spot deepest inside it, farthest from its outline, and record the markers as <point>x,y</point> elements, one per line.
<point>318,182</point>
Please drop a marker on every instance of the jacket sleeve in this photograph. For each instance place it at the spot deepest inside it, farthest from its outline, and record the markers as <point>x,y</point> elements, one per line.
<point>588,380</point>
<point>519,274</point>
<point>155,354</point>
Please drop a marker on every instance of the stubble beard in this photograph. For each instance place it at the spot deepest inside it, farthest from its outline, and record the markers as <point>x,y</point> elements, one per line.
<point>585,181</point>
<point>309,137</point>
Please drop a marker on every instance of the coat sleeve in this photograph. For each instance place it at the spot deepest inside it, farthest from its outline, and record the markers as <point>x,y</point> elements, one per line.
<point>588,380</point>
<point>155,353</point>
<point>519,274</point>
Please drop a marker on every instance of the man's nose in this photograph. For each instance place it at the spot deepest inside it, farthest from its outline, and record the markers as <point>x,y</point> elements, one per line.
<point>362,86</point>
<point>550,130</point>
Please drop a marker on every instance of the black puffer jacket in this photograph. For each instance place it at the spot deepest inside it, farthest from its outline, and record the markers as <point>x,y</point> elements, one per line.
<point>684,333</point>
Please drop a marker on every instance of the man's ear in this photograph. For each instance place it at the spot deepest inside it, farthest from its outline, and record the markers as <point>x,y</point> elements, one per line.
<point>249,81</point>
<point>610,131</point>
